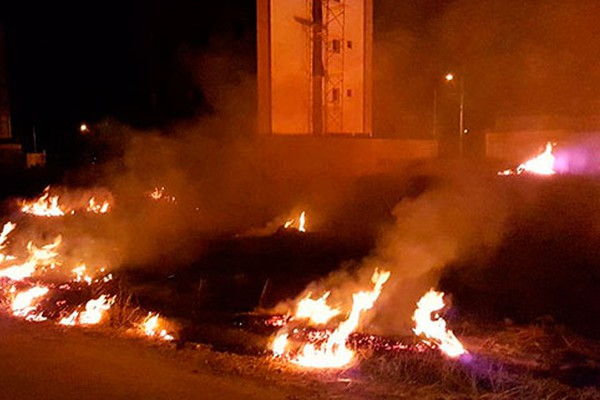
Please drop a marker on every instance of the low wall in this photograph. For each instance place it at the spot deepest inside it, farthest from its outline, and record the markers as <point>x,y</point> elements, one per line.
<point>346,156</point>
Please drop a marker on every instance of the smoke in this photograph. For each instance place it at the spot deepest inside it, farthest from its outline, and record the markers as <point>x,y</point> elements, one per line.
<point>532,58</point>
<point>461,216</point>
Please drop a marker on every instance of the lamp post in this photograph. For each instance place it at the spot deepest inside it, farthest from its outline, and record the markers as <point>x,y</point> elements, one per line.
<point>461,110</point>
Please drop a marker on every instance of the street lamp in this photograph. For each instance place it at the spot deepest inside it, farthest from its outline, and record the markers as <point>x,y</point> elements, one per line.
<point>450,77</point>
<point>461,110</point>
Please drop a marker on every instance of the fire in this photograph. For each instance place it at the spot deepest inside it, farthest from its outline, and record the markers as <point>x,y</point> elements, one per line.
<point>24,303</point>
<point>80,275</point>
<point>43,256</point>
<point>542,164</point>
<point>317,311</point>
<point>48,206</point>
<point>97,208</point>
<point>334,352</point>
<point>429,324</point>
<point>302,222</point>
<point>93,313</point>
<point>6,230</point>
<point>160,194</point>
<point>279,344</point>
<point>45,206</point>
<point>300,226</point>
<point>151,328</point>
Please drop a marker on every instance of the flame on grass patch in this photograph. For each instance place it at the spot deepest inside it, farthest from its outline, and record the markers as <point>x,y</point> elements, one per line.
<point>317,311</point>
<point>152,327</point>
<point>542,164</point>
<point>44,206</point>
<point>432,327</point>
<point>38,257</point>
<point>24,303</point>
<point>93,313</point>
<point>332,351</point>
<point>97,208</point>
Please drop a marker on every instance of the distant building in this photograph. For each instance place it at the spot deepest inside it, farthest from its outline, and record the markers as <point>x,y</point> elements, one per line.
<point>314,67</point>
<point>5,126</point>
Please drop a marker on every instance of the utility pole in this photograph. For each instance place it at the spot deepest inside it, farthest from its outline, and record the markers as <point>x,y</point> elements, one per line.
<point>461,116</point>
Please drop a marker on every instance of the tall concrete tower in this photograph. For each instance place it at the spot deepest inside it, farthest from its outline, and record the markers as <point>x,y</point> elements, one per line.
<point>5,126</point>
<point>314,66</point>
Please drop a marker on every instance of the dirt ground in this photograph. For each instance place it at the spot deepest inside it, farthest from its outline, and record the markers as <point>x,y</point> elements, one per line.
<point>42,361</point>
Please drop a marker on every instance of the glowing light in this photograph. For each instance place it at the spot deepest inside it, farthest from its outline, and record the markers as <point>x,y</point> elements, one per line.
<point>432,327</point>
<point>449,77</point>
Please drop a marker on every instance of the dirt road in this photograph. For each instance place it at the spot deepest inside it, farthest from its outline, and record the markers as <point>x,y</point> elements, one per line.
<point>43,361</point>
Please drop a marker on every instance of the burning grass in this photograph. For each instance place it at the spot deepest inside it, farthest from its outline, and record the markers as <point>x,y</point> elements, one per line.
<point>335,355</point>
<point>386,370</point>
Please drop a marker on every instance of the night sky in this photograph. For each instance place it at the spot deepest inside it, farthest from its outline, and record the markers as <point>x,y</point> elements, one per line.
<point>151,63</point>
<point>85,61</point>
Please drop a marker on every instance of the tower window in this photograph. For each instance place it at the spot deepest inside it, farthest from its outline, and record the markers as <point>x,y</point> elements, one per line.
<point>349,44</point>
<point>335,95</point>
<point>336,46</point>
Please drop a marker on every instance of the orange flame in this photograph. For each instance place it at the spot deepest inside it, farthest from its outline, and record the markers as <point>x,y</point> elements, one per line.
<point>24,303</point>
<point>6,230</point>
<point>430,325</point>
<point>542,164</point>
<point>151,328</point>
<point>334,353</point>
<point>317,311</point>
<point>159,193</point>
<point>93,313</point>
<point>37,257</point>
<point>80,275</point>
<point>48,206</point>
<point>45,206</point>
<point>300,226</point>
<point>97,208</point>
